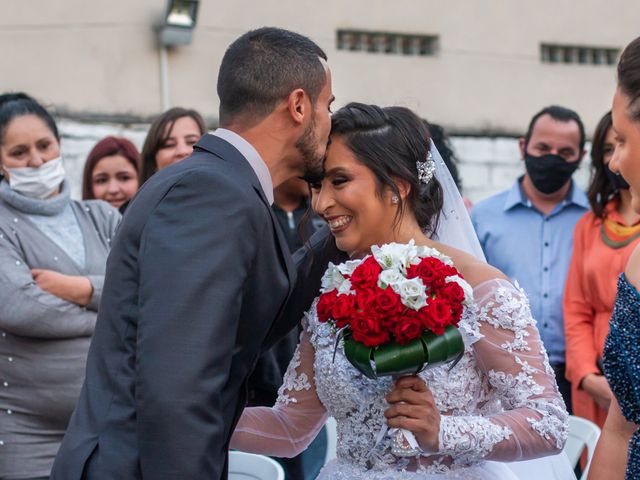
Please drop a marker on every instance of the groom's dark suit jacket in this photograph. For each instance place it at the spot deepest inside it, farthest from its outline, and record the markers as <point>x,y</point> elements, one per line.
<point>196,278</point>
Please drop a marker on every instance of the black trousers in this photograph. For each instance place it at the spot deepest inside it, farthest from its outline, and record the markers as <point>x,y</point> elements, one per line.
<point>563,384</point>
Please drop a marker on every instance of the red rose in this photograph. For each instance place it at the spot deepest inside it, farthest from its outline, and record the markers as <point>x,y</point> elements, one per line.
<point>426,270</point>
<point>325,305</point>
<point>366,274</point>
<point>364,300</point>
<point>368,331</point>
<point>456,313</point>
<point>343,308</point>
<point>408,328</point>
<point>438,315</point>
<point>386,302</point>
<point>452,292</point>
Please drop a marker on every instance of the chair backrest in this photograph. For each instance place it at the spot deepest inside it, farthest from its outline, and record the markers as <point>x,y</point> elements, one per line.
<point>332,439</point>
<point>247,466</point>
<point>582,434</point>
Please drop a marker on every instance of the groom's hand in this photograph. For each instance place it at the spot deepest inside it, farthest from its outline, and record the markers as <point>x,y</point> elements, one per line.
<point>413,408</point>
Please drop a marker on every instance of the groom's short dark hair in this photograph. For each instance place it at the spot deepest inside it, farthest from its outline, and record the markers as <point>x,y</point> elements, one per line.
<point>262,67</point>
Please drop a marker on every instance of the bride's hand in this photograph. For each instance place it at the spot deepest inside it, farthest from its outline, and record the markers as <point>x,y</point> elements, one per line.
<point>413,408</point>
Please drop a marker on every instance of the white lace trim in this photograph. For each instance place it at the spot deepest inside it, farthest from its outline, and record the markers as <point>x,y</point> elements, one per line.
<point>469,438</point>
<point>292,382</point>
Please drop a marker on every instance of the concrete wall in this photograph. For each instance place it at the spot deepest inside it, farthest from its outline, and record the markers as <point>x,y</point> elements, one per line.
<point>99,58</point>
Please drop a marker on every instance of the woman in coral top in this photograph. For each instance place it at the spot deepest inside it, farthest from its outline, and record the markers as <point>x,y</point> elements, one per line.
<point>603,241</point>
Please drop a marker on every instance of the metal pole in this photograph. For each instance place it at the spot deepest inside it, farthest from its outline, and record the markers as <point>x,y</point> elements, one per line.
<point>164,78</point>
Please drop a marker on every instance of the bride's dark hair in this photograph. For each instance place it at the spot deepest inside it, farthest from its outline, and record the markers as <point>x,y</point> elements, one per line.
<point>389,141</point>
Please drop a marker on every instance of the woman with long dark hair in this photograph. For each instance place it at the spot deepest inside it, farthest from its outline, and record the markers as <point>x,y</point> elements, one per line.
<point>170,139</point>
<point>603,240</point>
<point>618,452</point>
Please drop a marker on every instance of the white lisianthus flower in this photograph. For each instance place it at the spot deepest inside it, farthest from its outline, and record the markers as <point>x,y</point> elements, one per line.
<point>466,288</point>
<point>345,288</point>
<point>412,293</point>
<point>332,279</point>
<point>349,266</point>
<point>395,255</point>
<point>389,277</point>
<point>424,252</point>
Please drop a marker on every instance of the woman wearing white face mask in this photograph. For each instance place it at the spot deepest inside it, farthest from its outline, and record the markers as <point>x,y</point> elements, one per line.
<point>53,252</point>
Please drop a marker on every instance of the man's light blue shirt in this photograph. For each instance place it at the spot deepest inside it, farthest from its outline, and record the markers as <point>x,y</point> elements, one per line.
<point>534,250</point>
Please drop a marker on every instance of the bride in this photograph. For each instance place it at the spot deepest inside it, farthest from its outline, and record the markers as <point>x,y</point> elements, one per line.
<point>499,403</point>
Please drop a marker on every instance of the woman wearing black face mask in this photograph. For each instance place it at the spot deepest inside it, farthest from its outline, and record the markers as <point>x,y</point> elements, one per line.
<point>603,241</point>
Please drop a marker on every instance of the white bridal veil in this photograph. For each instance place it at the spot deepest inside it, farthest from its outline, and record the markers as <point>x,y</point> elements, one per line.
<point>455,228</point>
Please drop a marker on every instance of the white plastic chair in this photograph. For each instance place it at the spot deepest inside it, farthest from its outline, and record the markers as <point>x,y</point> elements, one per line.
<point>247,466</point>
<point>332,439</point>
<point>582,434</point>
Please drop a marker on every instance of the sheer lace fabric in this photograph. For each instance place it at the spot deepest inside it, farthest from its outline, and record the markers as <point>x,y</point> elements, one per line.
<point>500,402</point>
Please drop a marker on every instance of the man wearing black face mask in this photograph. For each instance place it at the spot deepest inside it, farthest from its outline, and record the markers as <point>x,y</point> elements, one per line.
<point>527,231</point>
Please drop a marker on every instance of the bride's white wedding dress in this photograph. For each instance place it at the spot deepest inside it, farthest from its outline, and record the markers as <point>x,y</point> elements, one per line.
<point>498,404</point>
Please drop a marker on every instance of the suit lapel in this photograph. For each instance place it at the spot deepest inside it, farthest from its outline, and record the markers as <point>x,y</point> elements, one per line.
<point>225,150</point>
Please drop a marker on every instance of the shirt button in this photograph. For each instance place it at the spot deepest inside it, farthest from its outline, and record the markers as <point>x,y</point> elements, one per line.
<point>545,325</point>
<point>15,220</point>
<point>545,295</point>
<point>546,269</point>
<point>5,384</point>
<point>546,244</point>
<point>10,359</point>
<point>1,443</point>
<point>9,412</point>
<point>4,334</point>
<point>17,262</point>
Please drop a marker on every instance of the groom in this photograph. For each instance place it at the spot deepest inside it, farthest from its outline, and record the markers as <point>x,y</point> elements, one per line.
<point>198,274</point>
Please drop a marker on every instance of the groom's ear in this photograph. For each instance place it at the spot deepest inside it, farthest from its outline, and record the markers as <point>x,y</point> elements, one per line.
<point>298,105</point>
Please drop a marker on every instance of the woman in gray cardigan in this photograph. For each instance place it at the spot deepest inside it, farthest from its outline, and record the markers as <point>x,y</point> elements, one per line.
<point>53,252</point>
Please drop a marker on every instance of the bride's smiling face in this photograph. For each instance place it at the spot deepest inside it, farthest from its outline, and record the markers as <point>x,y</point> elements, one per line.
<point>359,212</point>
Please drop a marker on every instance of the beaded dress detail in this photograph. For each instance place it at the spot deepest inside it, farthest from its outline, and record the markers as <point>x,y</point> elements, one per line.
<point>622,364</point>
<point>499,402</point>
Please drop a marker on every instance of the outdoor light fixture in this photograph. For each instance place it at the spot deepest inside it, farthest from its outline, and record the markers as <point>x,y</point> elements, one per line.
<point>179,22</point>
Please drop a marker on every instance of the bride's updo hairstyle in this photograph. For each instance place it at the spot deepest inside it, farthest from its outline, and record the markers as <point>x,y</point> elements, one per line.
<point>389,141</point>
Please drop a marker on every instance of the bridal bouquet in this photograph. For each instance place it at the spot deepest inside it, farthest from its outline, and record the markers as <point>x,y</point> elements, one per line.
<point>397,309</point>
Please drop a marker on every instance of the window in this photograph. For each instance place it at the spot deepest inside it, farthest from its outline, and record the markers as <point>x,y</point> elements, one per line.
<point>580,55</point>
<point>387,43</point>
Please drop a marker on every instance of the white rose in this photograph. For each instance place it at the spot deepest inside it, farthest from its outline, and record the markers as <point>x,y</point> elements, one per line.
<point>412,293</point>
<point>466,288</point>
<point>389,277</point>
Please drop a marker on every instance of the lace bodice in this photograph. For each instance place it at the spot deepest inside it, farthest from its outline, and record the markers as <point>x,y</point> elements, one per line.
<point>499,402</point>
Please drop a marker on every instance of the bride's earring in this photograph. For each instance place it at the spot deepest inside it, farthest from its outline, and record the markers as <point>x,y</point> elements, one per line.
<point>394,199</point>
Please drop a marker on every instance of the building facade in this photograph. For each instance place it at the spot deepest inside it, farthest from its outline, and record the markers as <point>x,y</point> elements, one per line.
<point>480,68</point>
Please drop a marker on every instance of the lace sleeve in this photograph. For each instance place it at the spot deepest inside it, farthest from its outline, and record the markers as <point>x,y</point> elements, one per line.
<point>287,428</point>
<point>533,419</point>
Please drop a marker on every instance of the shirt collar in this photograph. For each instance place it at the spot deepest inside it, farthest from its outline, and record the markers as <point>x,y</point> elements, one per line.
<point>516,196</point>
<point>249,152</point>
